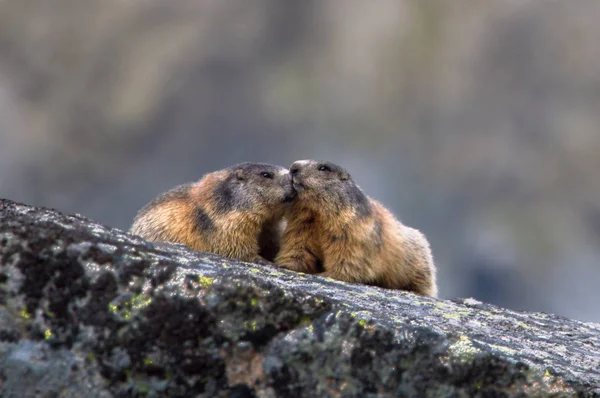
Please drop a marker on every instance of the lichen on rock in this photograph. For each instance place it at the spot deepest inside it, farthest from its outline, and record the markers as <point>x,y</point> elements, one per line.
<point>87,310</point>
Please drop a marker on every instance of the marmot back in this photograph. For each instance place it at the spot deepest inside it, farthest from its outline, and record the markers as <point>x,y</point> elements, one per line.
<point>335,230</point>
<point>235,212</point>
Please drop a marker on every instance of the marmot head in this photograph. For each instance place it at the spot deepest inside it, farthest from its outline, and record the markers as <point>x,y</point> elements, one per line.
<point>259,188</point>
<point>327,186</point>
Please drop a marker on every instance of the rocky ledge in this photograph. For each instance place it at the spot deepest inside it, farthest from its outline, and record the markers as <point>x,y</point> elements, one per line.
<point>86,310</point>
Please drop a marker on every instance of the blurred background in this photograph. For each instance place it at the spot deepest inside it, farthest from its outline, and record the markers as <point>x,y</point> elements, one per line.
<point>476,122</point>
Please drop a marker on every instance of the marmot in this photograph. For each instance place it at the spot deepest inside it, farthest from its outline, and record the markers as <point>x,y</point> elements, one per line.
<point>235,212</point>
<point>335,230</point>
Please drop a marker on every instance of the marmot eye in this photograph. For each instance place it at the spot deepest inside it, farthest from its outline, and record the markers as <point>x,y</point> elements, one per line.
<point>267,174</point>
<point>324,168</point>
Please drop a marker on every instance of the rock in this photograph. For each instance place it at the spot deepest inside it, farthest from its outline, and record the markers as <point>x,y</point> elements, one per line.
<point>86,310</point>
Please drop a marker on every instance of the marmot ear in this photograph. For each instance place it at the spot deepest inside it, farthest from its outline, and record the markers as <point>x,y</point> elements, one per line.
<point>344,176</point>
<point>239,174</point>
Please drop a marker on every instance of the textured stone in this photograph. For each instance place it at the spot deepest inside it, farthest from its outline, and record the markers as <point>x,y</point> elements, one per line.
<point>87,310</point>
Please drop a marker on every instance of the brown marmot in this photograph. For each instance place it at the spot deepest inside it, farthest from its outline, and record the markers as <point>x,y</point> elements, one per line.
<point>335,230</point>
<point>235,212</point>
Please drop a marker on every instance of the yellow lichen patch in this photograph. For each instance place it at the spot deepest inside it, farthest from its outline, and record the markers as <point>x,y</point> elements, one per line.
<point>253,301</point>
<point>451,316</point>
<point>251,325</point>
<point>363,317</point>
<point>47,334</point>
<point>505,350</point>
<point>456,314</point>
<point>148,361</point>
<point>524,325</point>
<point>205,281</point>
<point>440,304</point>
<point>123,308</point>
<point>113,307</point>
<point>463,349</point>
<point>25,314</point>
<point>140,301</point>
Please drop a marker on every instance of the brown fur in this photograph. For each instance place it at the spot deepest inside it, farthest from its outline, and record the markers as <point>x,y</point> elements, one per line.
<point>234,212</point>
<point>335,230</point>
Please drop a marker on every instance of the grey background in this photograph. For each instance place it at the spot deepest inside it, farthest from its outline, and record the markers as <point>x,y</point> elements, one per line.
<point>476,122</point>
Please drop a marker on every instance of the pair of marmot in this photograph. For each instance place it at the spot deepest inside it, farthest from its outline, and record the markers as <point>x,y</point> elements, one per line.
<point>311,218</point>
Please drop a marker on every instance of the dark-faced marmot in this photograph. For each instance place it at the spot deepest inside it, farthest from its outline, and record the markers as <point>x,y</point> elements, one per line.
<point>335,230</point>
<point>235,212</point>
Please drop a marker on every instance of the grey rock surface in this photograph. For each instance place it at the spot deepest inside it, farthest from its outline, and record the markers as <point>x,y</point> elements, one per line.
<point>86,310</point>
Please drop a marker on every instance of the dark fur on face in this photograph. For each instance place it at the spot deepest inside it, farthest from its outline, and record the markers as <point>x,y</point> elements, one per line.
<point>263,186</point>
<point>236,212</point>
<point>318,182</point>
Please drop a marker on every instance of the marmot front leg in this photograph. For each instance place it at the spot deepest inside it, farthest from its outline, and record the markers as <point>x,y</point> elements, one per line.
<point>345,264</point>
<point>298,253</point>
<point>341,275</point>
<point>262,261</point>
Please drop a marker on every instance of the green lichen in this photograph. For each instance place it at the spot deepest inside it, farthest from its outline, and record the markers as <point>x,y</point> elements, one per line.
<point>123,309</point>
<point>463,349</point>
<point>47,334</point>
<point>451,316</point>
<point>456,314</point>
<point>148,361</point>
<point>205,281</point>
<point>253,301</point>
<point>362,316</point>
<point>140,301</point>
<point>251,325</point>
<point>505,350</point>
<point>25,314</point>
<point>524,325</point>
